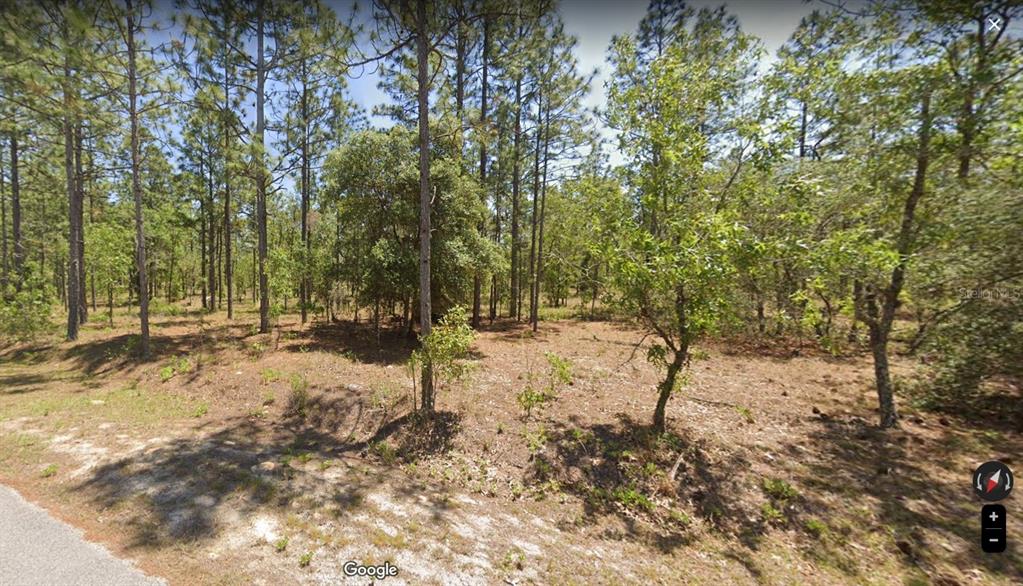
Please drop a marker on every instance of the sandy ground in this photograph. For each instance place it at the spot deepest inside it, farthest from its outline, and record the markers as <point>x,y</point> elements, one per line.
<point>239,458</point>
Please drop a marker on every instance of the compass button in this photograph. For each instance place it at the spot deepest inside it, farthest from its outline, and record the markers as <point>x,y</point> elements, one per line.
<point>992,481</point>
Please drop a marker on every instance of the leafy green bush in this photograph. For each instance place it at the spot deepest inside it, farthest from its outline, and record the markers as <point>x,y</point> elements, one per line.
<point>25,314</point>
<point>559,373</point>
<point>445,348</point>
<point>778,489</point>
<point>976,344</point>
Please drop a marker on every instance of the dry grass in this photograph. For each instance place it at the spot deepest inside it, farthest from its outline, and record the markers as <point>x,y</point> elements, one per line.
<point>772,471</point>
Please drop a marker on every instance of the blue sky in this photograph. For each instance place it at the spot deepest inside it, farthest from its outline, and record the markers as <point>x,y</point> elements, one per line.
<point>595,22</point>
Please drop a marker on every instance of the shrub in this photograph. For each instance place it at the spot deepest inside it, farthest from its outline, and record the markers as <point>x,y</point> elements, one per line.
<point>298,400</point>
<point>444,348</point>
<point>25,314</point>
<point>559,373</point>
<point>778,489</point>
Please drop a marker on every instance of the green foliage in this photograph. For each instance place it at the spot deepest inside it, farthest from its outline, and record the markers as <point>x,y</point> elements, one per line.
<point>745,413</point>
<point>25,314</point>
<point>559,373</point>
<point>298,398</point>
<point>269,375</point>
<point>630,498</point>
<point>771,514</point>
<point>385,451</point>
<point>816,527</point>
<point>299,384</point>
<point>373,182</point>
<point>444,350</point>
<point>166,373</point>
<point>778,489</point>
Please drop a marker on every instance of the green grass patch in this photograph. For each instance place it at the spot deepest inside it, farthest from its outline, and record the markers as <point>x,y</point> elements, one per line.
<point>269,375</point>
<point>778,489</point>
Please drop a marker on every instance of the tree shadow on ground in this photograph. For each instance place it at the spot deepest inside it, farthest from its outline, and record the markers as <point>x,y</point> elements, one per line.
<point>995,406</point>
<point>27,354</point>
<point>356,340</point>
<point>893,477</point>
<point>611,467</point>
<point>511,330</point>
<point>21,383</point>
<point>190,488</point>
<point>121,352</point>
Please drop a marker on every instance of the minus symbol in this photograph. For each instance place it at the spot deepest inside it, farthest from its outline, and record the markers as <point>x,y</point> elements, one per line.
<point>994,540</point>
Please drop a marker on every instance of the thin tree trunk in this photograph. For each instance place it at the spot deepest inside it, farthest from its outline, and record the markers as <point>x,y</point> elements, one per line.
<point>305,179</point>
<point>477,283</point>
<point>264,289</point>
<point>5,278</point>
<point>220,267</point>
<point>543,211</point>
<point>83,307</point>
<point>423,94</point>
<point>802,130</point>
<point>74,204</point>
<point>228,269</point>
<point>880,321</point>
<point>536,207</point>
<point>495,291</point>
<point>136,184</point>
<point>515,310</point>
<point>202,243</point>
<point>665,388</point>
<point>211,263</point>
<point>19,244</point>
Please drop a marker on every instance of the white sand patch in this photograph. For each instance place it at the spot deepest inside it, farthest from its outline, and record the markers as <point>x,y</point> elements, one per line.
<point>390,530</point>
<point>385,504</point>
<point>529,548</point>
<point>511,520</point>
<point>86,452</point>
<point>264,528</point>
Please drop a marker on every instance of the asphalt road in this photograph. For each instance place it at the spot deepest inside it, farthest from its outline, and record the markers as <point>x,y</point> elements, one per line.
<point>36,549</point>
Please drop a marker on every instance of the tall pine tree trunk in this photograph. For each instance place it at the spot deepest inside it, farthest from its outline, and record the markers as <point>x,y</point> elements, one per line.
<point>228,271</point>
<point>19,244</point>
<point>423,95</point>
<point>543,211</point>
<point>305,172</point>
<point>515,310</point>
<point>477,283</point>
<point>211,248</point>
<point>264,289</point>
<point>74,204</point>
<point>136,183</point>
<point>536,211</point>
<point>83,311</point>
<point>6,275</point>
